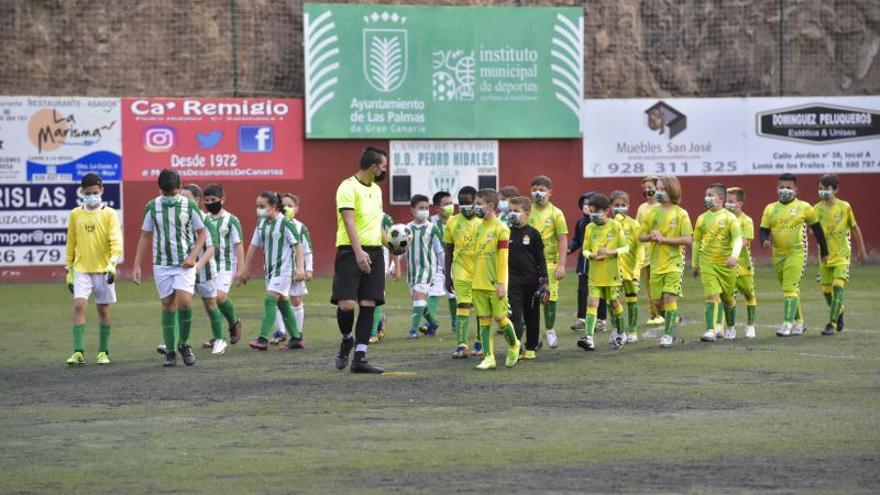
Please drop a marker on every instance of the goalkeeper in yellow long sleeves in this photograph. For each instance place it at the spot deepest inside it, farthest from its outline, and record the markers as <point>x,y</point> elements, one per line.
<point>490,280</point>
<point>94,246</point>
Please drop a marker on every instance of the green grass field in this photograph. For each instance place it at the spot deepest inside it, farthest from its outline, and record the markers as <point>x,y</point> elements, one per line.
<point>797,415</point>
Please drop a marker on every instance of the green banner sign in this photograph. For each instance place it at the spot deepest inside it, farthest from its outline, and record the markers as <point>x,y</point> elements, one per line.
<point>395,71</point>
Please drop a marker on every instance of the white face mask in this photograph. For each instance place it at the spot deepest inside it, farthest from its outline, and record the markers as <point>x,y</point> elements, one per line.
<point>661,196</point>
<point>539,197</point>
<point>824,194</point>
<point>92,200</point>
<point>620,210</point>
<point>515,219</point>
<point>262,213</point>
<point>710,202</point>
<point>785,194</point>
<point>421,215</point>
<point>503,206</point>
<point>731,207</point>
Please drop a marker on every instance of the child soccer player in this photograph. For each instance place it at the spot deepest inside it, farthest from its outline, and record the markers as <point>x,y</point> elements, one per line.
<point>837,221</point>
<point>282,252</point>
<point>174,227</point>
<point>576,245</point>
<point>550,222</point>
<point>490,280</point>
<point>783,226</point>
<point>392,271</point>
<point>459,239</point>
<point>298,289</point>
<point>649,187</point>
<point>445,209</point>
<point>94,245</point>
<point>668,226</point>
<point>630,262</point>
<point>528,275</point>
<point>745,279</point>
<point>422,256</point>
<point>227,253</point>
<point>604,244</point>
<point>717,246</point>
<point>505,194</point>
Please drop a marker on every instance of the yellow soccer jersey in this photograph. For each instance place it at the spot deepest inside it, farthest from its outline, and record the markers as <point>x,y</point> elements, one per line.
<point>460,232</point>
<point>610,235</point>
<point>715,232</point>
<point>745,266</point>
<point>490,254</point>
<point>550,222</point>
<point>366,201</point>
<point>837,221</point>
<point>787,224</point>
<point>671,222</point>
<point>93,238</point>
<point>631,262</point>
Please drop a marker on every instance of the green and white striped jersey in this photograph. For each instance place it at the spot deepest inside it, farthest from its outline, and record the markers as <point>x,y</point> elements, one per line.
<point>304,238</point>
<point>209,271</point>
<point>278,240</point>
<point>174,222</point>
<point>228,235</point>
<point>423,253</point>
<point>441,259</point>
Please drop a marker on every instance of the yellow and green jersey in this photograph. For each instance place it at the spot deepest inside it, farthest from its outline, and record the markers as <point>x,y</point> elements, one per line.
<point>610,235</point>
<point>366,202</point>
<point>631,262</point>
<point>744,265</point>
<point>715,232</point>
<point>93,238</point>
<point>788,225</point>
<point>837,221</point>
<point>670,222</point>
<point>550,222</point>
<point>491,241</point>
<point>460,233</point>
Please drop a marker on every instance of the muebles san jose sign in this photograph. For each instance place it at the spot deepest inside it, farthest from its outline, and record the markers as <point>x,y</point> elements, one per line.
<point>393,71</point>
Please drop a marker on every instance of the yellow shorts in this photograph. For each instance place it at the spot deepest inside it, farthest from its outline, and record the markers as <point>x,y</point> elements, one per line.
<point>828,274</point>
<point>463,291</point>
<point>665,283</point>
<point>789,270</point>
<point>745,285</point>
<point>552,283</point>
<point>718,279</point>
<point>488,304</point>
<point>607,293</point>
<point>631,287</point>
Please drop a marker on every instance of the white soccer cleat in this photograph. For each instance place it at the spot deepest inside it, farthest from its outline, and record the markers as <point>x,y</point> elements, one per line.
<point>666,341</point>
<point>552,340</point>
<point>719,332</point>
<point>798,329</point>
<point>219,347</point>
<point>708,336</point>
<point>601,325</point>
<point>750,331</point>
<point>632,338</point>
<point>784,330</point>
<point>730,333</point>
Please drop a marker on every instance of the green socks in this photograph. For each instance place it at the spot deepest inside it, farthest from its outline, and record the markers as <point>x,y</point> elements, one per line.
<point>711,312</point>
<point>268,323</point>
<point>429,313</point>
<point>617,318</point>
<point>169,330</point>
<point>185,317</point>
<point>289,318</point>
<point>751,309</point>
<point>228,311</point>
<point>632,316</point>
<point>377,319</point>
<point>417,317</point>
<point>836,304</point>
<point>590,322</point>
<point>550,315</point>
<point>79,338</point>
<point>488,342</point>
<point>671,315</point>
<point>461,328</point>
<point>432,309</point>
<point>730,315</point>
<point>789,309</point>
<point>510,334</point>
<point>452,305</point>
<point>104,338</point>
<point>216,318</point>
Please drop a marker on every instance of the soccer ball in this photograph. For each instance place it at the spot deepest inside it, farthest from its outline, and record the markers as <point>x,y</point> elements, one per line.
<point>398,238</point>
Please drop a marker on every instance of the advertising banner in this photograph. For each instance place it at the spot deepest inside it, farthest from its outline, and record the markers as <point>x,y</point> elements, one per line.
<point>427,167</point>
<point>213,138</point>
<point>396,71</point>
<point>731,136</point>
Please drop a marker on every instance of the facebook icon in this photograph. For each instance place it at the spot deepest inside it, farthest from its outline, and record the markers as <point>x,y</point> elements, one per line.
<point>255,138</point>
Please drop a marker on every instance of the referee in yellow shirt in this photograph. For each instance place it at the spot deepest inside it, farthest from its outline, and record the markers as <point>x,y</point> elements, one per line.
<point>359,269</point>
<point>94,245</point>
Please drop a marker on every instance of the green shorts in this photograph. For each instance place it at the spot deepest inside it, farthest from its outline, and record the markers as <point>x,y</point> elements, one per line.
<point>488,304</point>
<point>552,283</point>
<point>607,293</point>
<point>789,270</point>
<point>828,274</point>
<point>718,279</point>
<point>665,283</point>
<point>631,287</point>
<point>463,291</point>
<point>745,285</point>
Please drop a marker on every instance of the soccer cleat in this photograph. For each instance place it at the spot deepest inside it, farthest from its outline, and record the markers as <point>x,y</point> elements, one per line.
<point>512,355</point>
<point>432,329</point>
<point>666,341</point>
<point>708,336</point>
<point>461,352</point>
<point>601,325</point>
<point>657,320</point>
<point>259,343</point>
<point>360,365</point>
<point>413,335</point>
<point>170,359</point>
<point>293,345</point>
<point>730,333</point>
<point>784,330</point>
<point>579,326</point>
<point>423,329</point>
<point>189,357</point>
<point>632,338</point>
<point>798,329</point>
<point>209,344</point>
<point>840,322</point>
<point>719,332</point>
<point>278,337</point>
<point>374,339</point>
<point>488,363</point>
<point>102,358</point>
<point>528,355</point>
<point>750,331</point>
<point>829,329</point>
<point>235,332</point>
<point>552,340</point>
<point>345,348</point>
<point>478,349</point>
<point>76,359</point>
<point>219,347</point>
<point>618,340</point>
<point>161,348</point>
<point>586,343</point>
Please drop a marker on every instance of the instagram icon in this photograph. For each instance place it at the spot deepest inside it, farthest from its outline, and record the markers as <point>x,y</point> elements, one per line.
<point>159,138</point>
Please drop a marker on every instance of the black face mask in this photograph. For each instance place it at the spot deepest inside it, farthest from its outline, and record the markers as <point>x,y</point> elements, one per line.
<point>380,176</point>
<point>648,194</point>
<point>214,207</point>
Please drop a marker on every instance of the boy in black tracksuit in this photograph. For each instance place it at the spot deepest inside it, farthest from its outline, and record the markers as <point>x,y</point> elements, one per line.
<point>583,268</point>
<point>527,279</point>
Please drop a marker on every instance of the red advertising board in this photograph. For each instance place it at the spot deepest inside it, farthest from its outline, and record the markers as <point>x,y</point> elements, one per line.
<point>213,138</point>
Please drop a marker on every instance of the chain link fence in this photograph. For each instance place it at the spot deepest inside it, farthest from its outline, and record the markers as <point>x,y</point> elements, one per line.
<point>634,48</point>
